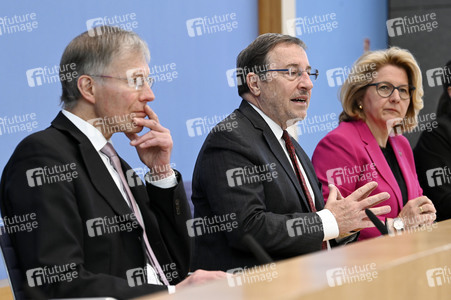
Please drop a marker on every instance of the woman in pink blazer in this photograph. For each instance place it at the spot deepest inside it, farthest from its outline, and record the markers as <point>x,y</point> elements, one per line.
<point>381,98</point>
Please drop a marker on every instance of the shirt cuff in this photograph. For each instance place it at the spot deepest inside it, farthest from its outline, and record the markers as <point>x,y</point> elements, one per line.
<point>171,289</point>
<point>330,225</point>
<point>164,183</point>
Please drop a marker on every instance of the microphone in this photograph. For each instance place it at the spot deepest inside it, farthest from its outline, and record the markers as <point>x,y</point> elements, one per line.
<point>379,225</point>
<point>260,254</point>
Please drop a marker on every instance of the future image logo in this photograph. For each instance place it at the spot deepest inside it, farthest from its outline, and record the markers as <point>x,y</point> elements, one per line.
<point>438,276</point>
<point>251,174</point>
<point>204,125</point>
<point>18,23</point>
<point>213,224</point>
<point>210,25</point>
<point>312,24</point>
<point>51,74</point>
<point>411,24</point>
<point>438,76</point>
<point>347,275</point>
<point>96,26</point>
<point>352,174</point>
<point>438,176</point>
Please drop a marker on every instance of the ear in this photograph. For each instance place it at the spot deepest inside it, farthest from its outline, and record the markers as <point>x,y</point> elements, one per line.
<point>253,82</point>
<point>86,87</point>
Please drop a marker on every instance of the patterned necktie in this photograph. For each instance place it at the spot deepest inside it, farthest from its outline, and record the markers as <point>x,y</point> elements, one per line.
<point>109,151</point>
<point>294,161</point>
<point>297,169</point>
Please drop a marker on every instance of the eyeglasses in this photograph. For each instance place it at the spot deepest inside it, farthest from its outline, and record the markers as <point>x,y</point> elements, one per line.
<point>385,89</point>
<point>294,73</point>
<point>136,82</point>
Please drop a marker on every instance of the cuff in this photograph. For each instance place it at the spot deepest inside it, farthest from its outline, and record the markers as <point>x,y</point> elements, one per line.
<point>171,289</point>
<point>330,225</point>
<point>164,183</point>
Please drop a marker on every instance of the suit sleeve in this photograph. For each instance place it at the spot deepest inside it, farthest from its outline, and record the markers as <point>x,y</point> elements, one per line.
<point>433,151</point>
<point>57,238</point>
<point>172,211</point>
<point>258,206</point>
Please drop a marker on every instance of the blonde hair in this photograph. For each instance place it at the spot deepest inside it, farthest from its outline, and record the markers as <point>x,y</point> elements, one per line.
<point>363,72</point>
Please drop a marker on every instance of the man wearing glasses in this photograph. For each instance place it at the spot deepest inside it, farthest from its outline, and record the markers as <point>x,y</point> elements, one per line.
<point>259,179</point>
<point>114,238</point>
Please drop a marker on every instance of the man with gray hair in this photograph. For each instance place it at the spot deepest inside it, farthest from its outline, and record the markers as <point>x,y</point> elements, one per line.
<point>260,177</point>
<point>100,234</point>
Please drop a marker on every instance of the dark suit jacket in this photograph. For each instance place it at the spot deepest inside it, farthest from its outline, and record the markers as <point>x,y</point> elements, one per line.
<point>62,210</point>
<point>433,162</point>
<point>260,208</point>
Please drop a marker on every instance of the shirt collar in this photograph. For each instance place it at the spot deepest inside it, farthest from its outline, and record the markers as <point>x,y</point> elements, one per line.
<point>93,134</point>
<point>275,128</point>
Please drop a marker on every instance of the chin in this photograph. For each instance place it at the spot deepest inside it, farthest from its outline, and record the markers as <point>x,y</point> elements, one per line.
<point>294,120</point>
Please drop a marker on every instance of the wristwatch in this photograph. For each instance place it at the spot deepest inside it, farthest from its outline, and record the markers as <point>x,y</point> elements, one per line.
<point>398,224</point>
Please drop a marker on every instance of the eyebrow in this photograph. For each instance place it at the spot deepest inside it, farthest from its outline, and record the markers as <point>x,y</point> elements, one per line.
<point>297,66</point>
<point>139,74</point>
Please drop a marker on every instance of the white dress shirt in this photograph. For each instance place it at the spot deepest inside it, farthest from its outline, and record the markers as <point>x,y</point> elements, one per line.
<point>99,141</point>
<point>330,225</point>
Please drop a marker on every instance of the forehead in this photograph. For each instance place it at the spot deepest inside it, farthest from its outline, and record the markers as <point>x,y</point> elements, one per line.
<point>393,74</point>
<point>129,62</point>
<point>288,55</point>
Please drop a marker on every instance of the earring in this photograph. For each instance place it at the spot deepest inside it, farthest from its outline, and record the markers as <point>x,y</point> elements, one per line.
<point>360,106</point>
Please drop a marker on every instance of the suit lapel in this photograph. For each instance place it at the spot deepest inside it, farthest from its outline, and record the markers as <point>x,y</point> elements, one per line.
<point>150,221</point>
<point>311,176</point>
<point>378,158</point>
<point>274,146</point>
<point>98,173</point>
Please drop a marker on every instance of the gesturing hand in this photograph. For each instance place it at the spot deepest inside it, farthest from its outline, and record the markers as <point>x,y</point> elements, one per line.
<point>417,212</point>
<point>154,147</point>
<point>201,276</point>
<point>350,211</point>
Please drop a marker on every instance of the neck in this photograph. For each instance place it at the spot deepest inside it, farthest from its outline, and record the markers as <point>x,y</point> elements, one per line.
<point>253,100</point>
<point>84,111</point>
<point>380,134</point>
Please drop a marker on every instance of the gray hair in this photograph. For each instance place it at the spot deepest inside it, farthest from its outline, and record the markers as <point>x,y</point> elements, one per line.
<point>92,54</point>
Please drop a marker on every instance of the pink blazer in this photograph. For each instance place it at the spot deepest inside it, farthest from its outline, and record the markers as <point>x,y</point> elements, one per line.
<point>349,157</point>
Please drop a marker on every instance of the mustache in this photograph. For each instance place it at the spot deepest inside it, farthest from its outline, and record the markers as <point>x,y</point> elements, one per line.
<point>301,93</point>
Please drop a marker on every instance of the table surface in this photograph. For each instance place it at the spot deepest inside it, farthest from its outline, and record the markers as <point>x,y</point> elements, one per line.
<point>400,263</point>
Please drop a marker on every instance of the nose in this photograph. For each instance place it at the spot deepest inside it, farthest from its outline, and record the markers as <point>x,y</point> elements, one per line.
<point>146,93</point>
<point>305,82</point>
<point>394,97</point>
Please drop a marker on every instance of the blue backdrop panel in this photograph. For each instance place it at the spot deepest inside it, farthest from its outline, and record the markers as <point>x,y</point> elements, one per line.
<point>334,32</point>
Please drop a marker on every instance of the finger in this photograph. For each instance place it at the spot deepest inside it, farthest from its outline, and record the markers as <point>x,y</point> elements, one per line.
<point>152,115</point>
<point>131,135</point>
<point>141,139</point>
<point>154,142</point>
<point>373,200</point>
<point>151,124</point>
<point>332,192</point>
<point>162,138</point>
<point>381,210</point>
<point>421,201</point>
<point>422,219</point>
<point>364,224</point>
<point>220,274</point>
<point>339,195</point>
<point>427,208</point>
<point>362,192</point>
